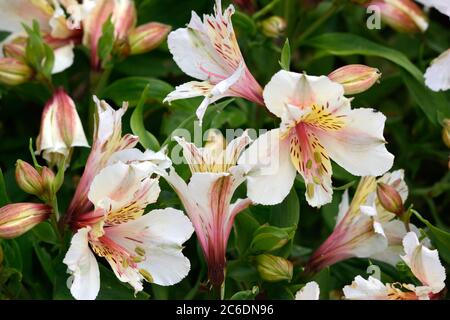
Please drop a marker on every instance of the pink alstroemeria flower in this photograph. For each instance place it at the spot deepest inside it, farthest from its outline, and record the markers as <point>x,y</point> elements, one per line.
<point>207,197</point>
<point>208,50</point>
<point>138,247</point>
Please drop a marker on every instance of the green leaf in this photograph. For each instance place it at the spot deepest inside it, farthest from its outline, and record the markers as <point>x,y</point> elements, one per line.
<point>242,271</point>
<point>46,262</point>
<point>285,61</point>
<point>243,22</point>
<point>434,105</point>
<point>106,42</point>
<point>439,237</point>
<point>146,139</point>
<point>244,227</point>
<point>38,54</point>
<point>344,44</point>
<point>287,213</point>
<point>45,233</point>
<point>246,294</point>
<point>269,238</point>
<point>4,199</point>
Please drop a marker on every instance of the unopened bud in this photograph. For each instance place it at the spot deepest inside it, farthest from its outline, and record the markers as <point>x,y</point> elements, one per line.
<point>15,48</point>
<point>273,27</point>
<point>446,132</point>
<point>18,218</point>
<point>28,178</point>
<point>147,37</point>
<point>14,72</point>
<point>272,268</point>
<point>402,15</point>
<point>390,199</point>
<point>355,78</point>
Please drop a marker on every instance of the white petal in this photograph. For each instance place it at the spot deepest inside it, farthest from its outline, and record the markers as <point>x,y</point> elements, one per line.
<point>360,147</point>
<point>344,206</point>
<point>82,264</point>
<point>148,161</point>
<point>300,90</point>
<point>14,13</point>
<point>272,174</point>
<point>64,57</point>
<point>310,291</point>
<point>424,263</point>
<point>437,76</point>
<point>117,186</point>
<point>362,289</point>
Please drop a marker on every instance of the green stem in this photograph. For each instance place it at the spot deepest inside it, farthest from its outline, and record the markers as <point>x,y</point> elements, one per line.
<point>265,10</point>
<point>318,23</point>
<point>98,83</point>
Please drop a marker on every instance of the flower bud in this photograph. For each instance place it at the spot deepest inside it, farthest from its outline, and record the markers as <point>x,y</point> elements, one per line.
<point>48,179</point>
<point>61,129</point>
<point>272,268</point>
<point>355,78</point>
<point>28,179</point>
<point>389,198</point>
<point>18,218</point>
<point>446,132</point>
<point>147,37</point>
<point>401,15</point>
<point>15,48</point>
<point>273,27</point>
<point>14,72</point>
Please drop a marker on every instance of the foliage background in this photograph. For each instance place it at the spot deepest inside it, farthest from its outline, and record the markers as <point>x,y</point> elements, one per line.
<point>324,35</point>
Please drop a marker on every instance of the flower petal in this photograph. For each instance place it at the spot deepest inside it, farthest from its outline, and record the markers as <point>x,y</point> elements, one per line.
<point>64,57</point>
<point>82,264</point>
<point>359,147</point>
<point>424,263</point>
<point>362,289</point>
<point>272,174</point>
<point>310,291</point>
<point>437,76</point>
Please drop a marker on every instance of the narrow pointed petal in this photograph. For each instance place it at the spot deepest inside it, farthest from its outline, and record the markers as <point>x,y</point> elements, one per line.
<point>82,264</point>
<point>310,291</point>
<point>437,76</point>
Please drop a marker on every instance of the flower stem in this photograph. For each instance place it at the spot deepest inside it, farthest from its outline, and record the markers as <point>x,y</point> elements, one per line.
<point>265,10</point>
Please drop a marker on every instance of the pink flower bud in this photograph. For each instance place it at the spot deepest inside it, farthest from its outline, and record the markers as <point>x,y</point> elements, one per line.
<point>272,268</point>
<point>18,218</point>
<point>61,129</point>
<point>15,48</point>
<point>355,78</point>
<point>14,72</point>
<point>147,37</point>
<point>402,15</point>
<point>28,179</point>
<point>389,198</point>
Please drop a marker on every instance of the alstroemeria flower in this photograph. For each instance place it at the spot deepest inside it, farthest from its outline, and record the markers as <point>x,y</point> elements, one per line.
<point>317,124</point>
<point>424,264</point>
<point>109,147</point>
<point>107,140</point>
<point>440,5</point>
<point>207,197</point>
<point>208,51</point>
<point>364,228</point>
<point>61,129</point>
<point>138,247</point>
<point>310,291</point>
<point>53,24</point>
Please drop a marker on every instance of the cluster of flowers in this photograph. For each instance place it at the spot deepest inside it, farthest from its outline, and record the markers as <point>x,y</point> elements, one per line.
<point>119,181</point>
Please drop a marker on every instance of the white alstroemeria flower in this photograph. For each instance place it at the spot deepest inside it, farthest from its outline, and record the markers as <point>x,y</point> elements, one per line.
<point>138,247</point>
<point>207,197</point>
<point>208,51</point>
<point>317,123</point>
<point>107,140</point>
<point>364,228</point>
<point>310,291</point>
<point>61,129</point>
<point>53,24</point>
<point>424,264</point>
